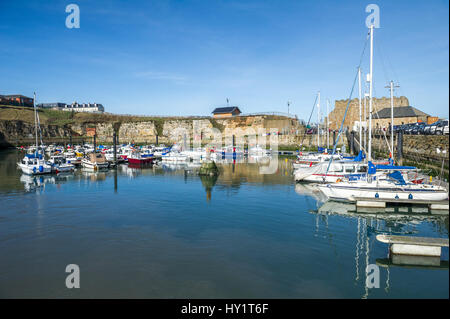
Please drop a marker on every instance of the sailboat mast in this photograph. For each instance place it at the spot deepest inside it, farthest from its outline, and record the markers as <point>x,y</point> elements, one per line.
<point>391,89</point>
<point>360,115</point>
<point>369,157</point>
<point>392,119</point>
<point>35,121</point>
<point>318,121</point>
<point>328,124</point>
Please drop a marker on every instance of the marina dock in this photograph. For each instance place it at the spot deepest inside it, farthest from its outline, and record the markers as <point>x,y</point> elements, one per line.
<point>414,246</point>
<point>382,203</point>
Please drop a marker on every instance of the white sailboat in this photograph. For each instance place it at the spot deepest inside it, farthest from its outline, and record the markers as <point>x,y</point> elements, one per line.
<point>33,164</point>
<point>393,187</point>
<point>384,189</point>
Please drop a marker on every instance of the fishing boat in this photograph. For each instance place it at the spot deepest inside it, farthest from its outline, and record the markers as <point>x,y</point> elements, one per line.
<point>34,164</point>
<point>136,158</point>
<point>95,161</point>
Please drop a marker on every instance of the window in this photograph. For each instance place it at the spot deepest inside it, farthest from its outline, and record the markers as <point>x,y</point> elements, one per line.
<point>349,169</point>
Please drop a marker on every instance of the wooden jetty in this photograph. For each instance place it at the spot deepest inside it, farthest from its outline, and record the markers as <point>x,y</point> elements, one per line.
<point>414,246</point>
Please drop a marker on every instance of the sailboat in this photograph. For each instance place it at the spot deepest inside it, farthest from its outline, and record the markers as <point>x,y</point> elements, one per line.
<point>33,164</point>
<point>394,187</point>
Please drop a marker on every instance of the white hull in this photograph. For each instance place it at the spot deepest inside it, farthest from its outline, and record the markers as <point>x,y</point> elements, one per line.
<point>35,169</point>
<point>175,158</point>
<point>64,168</point>
<point>388,191</point>
<point>90,165</point>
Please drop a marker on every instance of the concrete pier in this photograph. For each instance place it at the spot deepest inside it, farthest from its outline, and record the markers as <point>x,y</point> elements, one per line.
<point>414,246</point>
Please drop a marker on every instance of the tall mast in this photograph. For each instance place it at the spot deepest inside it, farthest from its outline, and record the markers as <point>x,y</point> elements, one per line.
<point>365,117</point>
<point>369,157</point>
<point>328,124</point>
<point>391,89</point>
<point>360,118</point>
<point>35,121</point>
<point>318,121</point>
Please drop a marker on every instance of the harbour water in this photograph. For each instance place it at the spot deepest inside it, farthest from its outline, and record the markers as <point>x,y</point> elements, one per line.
<point>168,233</point>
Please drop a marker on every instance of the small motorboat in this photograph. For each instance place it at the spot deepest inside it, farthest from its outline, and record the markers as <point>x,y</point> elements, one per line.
<point>95,161</point>
<point>60,165</point>
<point>136,158</point>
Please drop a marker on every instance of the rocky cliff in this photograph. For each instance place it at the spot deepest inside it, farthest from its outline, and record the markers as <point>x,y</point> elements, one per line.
<point>15,132</point>
<point>143,130</point>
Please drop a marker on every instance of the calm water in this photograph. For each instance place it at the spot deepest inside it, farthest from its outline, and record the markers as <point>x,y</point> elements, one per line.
<point>167,233</point>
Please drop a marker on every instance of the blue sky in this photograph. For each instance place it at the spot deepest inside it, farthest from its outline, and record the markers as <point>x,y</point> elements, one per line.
<point>186,57</point>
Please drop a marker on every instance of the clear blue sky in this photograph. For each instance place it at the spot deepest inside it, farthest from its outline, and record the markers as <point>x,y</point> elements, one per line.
<point>186,57</point>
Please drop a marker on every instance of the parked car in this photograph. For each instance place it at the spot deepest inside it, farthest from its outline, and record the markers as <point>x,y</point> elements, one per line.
<point>408,128</point>
<point>421,129</point>
<point>434,126</point>
<point>426,129</point>
<point>440,127</point>
<point>416,128</point>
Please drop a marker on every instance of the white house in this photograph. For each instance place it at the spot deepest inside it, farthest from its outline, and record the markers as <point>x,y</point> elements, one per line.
<point>84,107</point>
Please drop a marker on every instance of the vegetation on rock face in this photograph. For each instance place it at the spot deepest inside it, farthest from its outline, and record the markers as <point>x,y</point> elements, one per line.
<point>159,126</point>
<point>217,125</point>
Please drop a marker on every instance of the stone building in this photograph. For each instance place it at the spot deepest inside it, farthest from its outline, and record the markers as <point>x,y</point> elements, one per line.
<point>402,115</point>
<point>378,104</point>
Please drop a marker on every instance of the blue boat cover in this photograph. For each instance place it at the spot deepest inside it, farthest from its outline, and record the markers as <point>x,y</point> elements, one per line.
<point>372,169</point>
<point>39,156</point>
<point>397,176</point>
<point>360,157</point>
<point>392,167</point>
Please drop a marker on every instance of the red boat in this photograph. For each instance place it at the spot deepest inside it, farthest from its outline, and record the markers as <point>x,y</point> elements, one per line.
<point>137,159</point>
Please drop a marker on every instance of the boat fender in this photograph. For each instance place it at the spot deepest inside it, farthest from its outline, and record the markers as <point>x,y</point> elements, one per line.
<point>41,168</point>
<point>410,196</point>
<point>34,169</point>
<point>396,196</point>
<point>376,195</point>
<point>338,180</point>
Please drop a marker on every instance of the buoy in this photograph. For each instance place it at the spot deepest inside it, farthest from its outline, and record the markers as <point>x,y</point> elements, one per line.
<point>376,195</point>
<point>410,196</point>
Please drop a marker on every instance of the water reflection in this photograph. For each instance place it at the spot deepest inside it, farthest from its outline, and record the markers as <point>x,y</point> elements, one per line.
<point>373,221</point>
<point>208,183</point>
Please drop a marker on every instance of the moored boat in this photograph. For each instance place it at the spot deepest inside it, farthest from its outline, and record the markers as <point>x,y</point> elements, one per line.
<point>95,161</point>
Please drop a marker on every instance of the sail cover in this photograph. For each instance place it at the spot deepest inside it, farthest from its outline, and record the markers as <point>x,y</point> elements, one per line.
<point>397,176</point>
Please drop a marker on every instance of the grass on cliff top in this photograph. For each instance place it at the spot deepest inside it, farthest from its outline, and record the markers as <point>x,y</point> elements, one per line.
<point>61,118</point>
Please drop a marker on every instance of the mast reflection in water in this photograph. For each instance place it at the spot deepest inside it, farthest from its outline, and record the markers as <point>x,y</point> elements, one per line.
<point>150,233</point>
